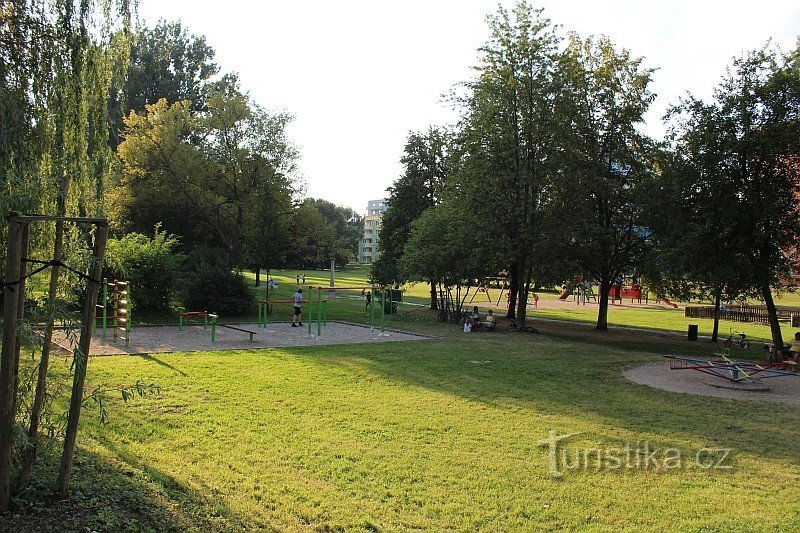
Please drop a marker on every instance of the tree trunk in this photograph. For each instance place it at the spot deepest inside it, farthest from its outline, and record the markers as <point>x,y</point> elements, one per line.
<point>602,313</point>
<point>774,325</point>
<point>258,276</point>
<point>434,301</point>
<point>512,293</point>
<point>717,302</point>
<point>522,296</point>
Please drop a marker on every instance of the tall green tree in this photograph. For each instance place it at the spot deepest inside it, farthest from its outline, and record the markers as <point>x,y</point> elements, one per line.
<point>608,160</point>
<point>743,151</point>
<point>57,62</point>
<point>509,139</point>
<point>211,166</point>
<point>425,160</point>
<point>165,62</point>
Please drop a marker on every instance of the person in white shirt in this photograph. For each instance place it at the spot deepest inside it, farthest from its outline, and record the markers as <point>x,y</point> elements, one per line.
<point>298,304</point>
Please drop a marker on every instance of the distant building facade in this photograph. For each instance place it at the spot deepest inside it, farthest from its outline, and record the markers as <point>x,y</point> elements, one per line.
<point>368,251</point>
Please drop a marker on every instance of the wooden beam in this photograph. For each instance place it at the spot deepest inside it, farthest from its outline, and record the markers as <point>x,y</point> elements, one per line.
<point>8,371</point>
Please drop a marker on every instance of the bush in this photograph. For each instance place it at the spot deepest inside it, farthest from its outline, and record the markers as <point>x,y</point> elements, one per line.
<point>150,265</point>
<point>215,288</point>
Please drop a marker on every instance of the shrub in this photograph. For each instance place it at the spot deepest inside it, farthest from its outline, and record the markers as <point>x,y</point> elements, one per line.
<point>215,288</point>
<point>150,265</point>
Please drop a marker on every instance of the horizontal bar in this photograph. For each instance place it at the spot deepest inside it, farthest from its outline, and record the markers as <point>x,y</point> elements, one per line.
<point>51,218</point>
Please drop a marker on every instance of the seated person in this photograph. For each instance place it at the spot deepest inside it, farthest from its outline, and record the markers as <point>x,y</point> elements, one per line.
<point>491,322</point>
<point>792,352</point>
<point>475,319</point>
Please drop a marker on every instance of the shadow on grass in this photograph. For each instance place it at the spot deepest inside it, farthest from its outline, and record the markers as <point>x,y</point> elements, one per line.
<point>113,495</point>
<point>148,357</point>
<point>579,376</point>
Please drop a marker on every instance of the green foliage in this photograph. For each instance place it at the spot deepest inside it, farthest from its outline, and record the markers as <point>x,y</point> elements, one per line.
<point>149,264</point>
<point>211,177</point>
<point>165,62</point>
<point>735,178</point>
<point>426,171</point>
<point>215,288</point>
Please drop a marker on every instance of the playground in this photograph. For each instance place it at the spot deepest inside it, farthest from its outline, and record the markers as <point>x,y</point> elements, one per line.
<point>193,338</point>
<point>659,376</point>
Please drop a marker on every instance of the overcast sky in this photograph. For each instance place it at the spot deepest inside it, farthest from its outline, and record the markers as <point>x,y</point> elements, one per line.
<point>359,75</point>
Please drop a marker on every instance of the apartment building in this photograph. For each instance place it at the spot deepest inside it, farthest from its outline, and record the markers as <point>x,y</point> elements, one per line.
<point>368,251</point>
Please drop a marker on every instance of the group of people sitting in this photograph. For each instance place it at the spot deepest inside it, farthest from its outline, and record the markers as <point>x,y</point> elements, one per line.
<point>474,322</point>
<point>792,351</point>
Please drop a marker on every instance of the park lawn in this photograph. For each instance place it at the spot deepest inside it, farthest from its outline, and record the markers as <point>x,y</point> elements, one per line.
<point>439,434</point>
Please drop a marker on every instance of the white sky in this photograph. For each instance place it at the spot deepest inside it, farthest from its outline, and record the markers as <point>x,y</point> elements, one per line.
<point>359,75</point>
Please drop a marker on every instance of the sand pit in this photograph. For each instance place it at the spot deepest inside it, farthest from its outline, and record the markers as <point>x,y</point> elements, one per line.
<point>162,339</point>
<point>659,376</point>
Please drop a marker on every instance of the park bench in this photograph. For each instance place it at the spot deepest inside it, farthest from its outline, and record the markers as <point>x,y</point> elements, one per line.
<point>251,333</point>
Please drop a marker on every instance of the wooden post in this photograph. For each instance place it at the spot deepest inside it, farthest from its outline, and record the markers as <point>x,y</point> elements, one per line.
<point>8,357</point>
<point>81,355</point>
<point>26,234</point>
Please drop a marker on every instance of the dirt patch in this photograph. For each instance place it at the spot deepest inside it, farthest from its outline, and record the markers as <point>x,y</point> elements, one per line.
<point>659,376</point>
<point>162,339</point>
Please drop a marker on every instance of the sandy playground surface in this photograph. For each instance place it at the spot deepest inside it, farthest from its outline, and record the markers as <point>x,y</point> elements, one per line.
<point>161,339</point>
<point>659,376</point>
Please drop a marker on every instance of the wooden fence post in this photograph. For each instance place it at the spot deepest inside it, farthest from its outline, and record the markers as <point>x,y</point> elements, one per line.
<point>8,371</point>
<point>81,356</point>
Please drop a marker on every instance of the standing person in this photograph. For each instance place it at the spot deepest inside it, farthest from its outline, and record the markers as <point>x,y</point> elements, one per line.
<point>297,279</point>
<point>369,300</point>
<point>297,297</point>
<point>304,279</point>
<point>535,301</point>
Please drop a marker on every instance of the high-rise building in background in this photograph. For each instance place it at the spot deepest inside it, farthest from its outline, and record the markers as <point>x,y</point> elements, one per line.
<point>368,251</point>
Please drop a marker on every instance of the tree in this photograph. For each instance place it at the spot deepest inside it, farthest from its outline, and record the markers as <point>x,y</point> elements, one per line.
<point>509,140</point>
<point>165,62</point>
<point>57,61</point>
<point>744,146</point>
<point>421,186</point>
<point>313,240</point>
<point>608,160</point>
<point>213,167</point>
<point>443,250</point>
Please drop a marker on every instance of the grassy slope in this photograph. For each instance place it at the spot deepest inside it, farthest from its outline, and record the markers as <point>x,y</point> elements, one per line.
<point>416,435</point>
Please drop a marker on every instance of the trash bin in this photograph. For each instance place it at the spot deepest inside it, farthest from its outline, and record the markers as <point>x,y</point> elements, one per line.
<point>795,320</point>
<point>692,332</point>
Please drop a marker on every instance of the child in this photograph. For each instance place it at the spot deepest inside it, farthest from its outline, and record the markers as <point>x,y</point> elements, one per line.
<point>535,301</point>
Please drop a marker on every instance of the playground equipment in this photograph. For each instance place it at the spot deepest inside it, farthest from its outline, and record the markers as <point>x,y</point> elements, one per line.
<point>732,370</point>
<point>185,316</point>
<point>120,302</point>
<point>618,292</point>
<point>583,293</point>
<point>116,298</point>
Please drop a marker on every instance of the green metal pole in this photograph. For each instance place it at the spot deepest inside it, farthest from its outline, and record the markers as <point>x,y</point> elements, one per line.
<point>308,315</point>
<point>260,306</point>
<point>372,310</point>
<point>180,318</point>
<point>213,328</point>
<point>319,313</point>
<point>325,312</point>
<point>383,310</point>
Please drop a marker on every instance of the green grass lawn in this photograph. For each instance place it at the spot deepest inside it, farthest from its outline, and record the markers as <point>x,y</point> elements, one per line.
<point>436,435</point>
<point>419,436</point>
